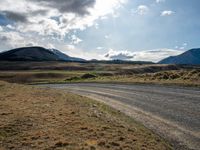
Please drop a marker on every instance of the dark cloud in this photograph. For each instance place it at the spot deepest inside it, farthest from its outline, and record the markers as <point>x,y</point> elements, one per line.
<point>119,56</point>
<point>29,44</point>
<point>107,55</point>
<point>4,38</point>
<point>39,12</point>
<point>156,51</point>
<point>79,7</point>
<point>14,16</point>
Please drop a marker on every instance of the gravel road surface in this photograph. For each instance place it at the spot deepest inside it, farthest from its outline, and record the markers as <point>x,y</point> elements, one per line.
<point>172,112</point>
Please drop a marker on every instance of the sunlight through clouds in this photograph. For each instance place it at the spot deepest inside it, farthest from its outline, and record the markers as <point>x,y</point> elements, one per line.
<point>53,20</point>
<point>84,25</point>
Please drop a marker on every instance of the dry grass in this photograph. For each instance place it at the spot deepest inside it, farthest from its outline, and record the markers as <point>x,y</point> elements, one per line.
<point>174,77</point>
<point>66,66</point>
<point>180,77</point>
<point>33,118</point>
<point>26,77</point>
<point>62,72</point>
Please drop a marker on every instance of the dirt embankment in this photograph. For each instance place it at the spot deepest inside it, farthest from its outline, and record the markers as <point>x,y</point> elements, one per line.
<point>32,118</point>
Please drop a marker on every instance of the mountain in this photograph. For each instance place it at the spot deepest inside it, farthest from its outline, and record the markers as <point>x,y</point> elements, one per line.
<point>191,57</point>
<point>36,54</point>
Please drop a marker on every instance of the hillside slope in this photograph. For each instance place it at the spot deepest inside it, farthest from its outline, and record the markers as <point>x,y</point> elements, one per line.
<point>191,57</point>
<point>35,54</point>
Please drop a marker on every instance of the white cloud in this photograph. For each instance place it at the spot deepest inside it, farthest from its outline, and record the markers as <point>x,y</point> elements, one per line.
<point>70,47</point>
<point>75,40</point>
<point>100,48</point>
<point>167,13</point>
<point>11,27</point>
<point>12,39</point>
<point>142,10</point>
<point>185,44</point>
<point>40,22</point>
<point>182,46</point>
<point>156,55</point>
<point>80,53</point>
<point>147,55</point>
<point>159,1</point>
<point>50,46</point>
<point>121,55</point>
<point>107,36</point>
<point>51,18</point>
<point>96,26</point>
<point>104,7</point>
<point>176,47</point>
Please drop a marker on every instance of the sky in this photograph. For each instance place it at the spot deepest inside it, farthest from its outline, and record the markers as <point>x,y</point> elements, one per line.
<point>146,30</point>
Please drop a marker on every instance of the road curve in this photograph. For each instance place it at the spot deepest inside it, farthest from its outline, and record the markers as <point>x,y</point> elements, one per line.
<point>172,112</point>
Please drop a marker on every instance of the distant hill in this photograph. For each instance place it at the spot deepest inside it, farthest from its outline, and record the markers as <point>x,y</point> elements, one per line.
<point>36,54</point>
<point>120,62</point>
<point>191,57</point>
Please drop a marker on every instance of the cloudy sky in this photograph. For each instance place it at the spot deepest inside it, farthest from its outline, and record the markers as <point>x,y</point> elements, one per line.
<point>102,29</point>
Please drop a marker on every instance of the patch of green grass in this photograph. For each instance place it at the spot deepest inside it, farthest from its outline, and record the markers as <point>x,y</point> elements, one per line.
<point>2,135</point>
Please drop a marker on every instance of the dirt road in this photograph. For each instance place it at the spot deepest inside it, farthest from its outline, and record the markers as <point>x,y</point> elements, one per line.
<point>172,112</point>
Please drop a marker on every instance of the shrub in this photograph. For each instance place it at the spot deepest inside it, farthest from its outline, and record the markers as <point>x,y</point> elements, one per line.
<point>87,76</point>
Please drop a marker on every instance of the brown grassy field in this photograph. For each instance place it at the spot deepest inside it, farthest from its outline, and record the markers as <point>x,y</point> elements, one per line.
<point>65,72</point>
<point>35,118</point>
<point>178,77</point>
